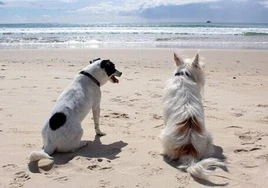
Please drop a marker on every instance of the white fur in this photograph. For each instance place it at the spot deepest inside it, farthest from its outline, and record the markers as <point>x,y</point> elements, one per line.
<point>75,102</point>
<point>182,100</point>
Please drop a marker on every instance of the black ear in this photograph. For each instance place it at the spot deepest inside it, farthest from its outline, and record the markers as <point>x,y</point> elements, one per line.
<point>108,66</point>
<point>103,63</point>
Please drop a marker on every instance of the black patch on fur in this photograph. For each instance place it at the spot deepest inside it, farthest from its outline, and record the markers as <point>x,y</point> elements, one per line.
<point>108,66</point>
<point>57,121</point>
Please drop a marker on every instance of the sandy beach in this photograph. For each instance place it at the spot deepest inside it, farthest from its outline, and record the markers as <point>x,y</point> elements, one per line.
<point>236,114</point>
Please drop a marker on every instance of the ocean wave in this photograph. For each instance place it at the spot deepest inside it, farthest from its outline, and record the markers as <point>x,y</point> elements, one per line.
<point>255,34</point>
<point>100,35</point>
<point>7,33</point>
<point>135,31</point>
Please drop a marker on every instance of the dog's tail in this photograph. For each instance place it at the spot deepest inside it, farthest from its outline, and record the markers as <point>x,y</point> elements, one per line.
<point>38,155</point>
<point>201,169</point>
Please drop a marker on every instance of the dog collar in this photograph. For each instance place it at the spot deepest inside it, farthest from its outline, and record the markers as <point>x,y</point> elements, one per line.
<point>183,73</point>
<point>91,77</point>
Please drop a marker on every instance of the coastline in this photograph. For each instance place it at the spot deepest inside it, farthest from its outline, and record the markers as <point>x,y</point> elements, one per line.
<point>134,35</point>
<point>235,105</point>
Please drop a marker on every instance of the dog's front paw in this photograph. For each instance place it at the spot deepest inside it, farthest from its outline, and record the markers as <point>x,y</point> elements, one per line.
<point>83,144</point>
<point>99,133</point>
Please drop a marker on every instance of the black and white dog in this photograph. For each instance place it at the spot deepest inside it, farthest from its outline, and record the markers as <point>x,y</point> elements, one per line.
<point>62,132</point>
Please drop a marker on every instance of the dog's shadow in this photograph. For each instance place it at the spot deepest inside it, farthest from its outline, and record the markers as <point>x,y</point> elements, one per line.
<point>94,149</point>
<point>218,154</point>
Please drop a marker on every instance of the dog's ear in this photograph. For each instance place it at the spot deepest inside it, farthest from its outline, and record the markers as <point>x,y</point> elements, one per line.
<point>196,61</point>
<point>94,60</point>
<point>178,60</point>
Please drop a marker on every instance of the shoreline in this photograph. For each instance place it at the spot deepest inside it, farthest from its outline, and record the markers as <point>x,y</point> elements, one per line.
<point>138,48</point>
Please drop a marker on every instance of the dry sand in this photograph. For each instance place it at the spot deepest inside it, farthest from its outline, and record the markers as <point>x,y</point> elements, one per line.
<point>236,109</point>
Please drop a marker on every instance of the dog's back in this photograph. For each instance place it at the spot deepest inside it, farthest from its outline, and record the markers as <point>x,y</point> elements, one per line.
<point>183,118</point>
<point>184,136</point>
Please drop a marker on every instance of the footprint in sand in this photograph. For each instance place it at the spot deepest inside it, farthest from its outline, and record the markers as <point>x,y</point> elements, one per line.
<point>142,184</point>
<point>118,115</point>
<point>155,95</point>
<point>237,112</point>
<point>210,108</point>
<point>154,154</point>
<point>250,137</point>
<point>19,179</point>
<point>233,127</point>
<point>61,179</point>
<point>9,166</point>
<point>262,105</point>
<point>155,80</point>
<point>124,101</point>
<point>100,164</point>
<point>248,163</point>
<point>210,102</point>
<point>149,170</point>
<point>245,177</point>
<point>265,157</point>
<point>92,167</point>
<point>156,117</point>
<point>103,183</point>
<point>247,150</point>
<point>183,179</point>
<point>29,145</point>
<point>263,120</point>
<point>132,150</point>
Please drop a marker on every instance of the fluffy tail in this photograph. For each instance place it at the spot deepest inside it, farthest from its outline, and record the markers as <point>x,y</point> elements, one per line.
<point>38,155</point>
<point>201,169</point>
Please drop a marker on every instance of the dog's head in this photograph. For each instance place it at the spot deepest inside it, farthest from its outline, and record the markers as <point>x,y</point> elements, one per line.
<point>110,70</point>
<point>105,70</point>
<point>190,69</point>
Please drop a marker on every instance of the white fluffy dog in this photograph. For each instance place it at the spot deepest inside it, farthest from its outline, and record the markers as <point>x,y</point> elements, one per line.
<point>62,132</point>
<point>184,136</point>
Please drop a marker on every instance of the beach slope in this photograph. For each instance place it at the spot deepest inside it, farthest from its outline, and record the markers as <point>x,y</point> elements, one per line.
<point>235,102</point>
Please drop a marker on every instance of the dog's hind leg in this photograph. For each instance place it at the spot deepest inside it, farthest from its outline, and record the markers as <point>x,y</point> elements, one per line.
<point>72,141</point>
<point>96,118</point>
<point>209,147</point>
<point>77,143</point>
<point>81,145</point>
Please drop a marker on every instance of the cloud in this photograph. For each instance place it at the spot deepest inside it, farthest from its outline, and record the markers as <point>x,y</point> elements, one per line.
<point>32,3</point>
<point>144,10</point>
<point>264,3</point>
<point>135,7</point>
<point>128,6</point>
<point>107,8</point>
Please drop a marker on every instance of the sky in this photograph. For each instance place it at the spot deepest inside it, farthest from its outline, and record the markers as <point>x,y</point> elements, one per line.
<point>88,11</point>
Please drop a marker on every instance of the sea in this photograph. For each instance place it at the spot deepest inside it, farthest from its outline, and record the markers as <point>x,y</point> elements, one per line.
<point>134,35</point>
